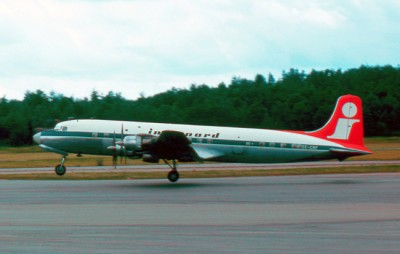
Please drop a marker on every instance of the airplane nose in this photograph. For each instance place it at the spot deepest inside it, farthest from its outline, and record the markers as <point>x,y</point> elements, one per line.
<point>36,137</point>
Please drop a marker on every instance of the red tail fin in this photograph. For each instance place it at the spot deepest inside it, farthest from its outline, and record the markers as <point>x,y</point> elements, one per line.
<point>346,125</point>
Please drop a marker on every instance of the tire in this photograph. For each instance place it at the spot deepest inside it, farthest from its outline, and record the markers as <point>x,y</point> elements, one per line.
<point>173,176</point>
<point>60,170</point>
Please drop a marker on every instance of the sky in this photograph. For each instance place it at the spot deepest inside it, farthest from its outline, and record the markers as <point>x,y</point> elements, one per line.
<point>144,47</point>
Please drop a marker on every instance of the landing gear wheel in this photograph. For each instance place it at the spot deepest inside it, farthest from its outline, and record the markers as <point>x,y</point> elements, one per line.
<point>60,169</point>
<point>173,176</point>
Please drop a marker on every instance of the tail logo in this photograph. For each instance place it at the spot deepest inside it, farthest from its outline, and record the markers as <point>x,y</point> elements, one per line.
<point>345,124</point>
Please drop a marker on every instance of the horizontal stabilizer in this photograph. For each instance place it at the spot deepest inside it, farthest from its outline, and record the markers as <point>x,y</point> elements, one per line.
<point>203,153</point>
<point>348,152</point>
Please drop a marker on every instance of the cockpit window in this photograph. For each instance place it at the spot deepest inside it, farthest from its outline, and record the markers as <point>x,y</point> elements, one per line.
<point>60,128</point>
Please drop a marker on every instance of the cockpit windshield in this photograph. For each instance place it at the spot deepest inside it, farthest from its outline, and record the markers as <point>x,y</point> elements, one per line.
<point>59,127</point>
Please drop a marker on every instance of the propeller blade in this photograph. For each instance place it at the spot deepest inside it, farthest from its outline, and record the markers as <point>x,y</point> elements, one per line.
<point>114,158</point>
<point>122,134</point>
<point>114,153</point>
<point>121,152</point>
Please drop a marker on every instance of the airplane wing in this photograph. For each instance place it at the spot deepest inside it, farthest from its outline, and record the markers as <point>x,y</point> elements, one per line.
<point>175,145</point>
<point>202,153</point>
<point>53,150</point>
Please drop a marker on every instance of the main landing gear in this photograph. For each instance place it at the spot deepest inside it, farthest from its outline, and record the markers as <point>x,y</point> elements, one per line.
<point>173,175</point>
<point>60,169</point>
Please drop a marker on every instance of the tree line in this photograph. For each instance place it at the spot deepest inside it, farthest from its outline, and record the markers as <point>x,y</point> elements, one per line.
<point>297,101</point>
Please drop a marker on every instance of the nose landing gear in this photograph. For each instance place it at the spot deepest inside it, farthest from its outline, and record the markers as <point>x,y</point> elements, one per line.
<point>60,169</point>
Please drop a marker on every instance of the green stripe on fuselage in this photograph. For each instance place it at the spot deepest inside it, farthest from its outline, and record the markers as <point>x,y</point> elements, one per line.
<point>234,150</point>
<point>94,135</point>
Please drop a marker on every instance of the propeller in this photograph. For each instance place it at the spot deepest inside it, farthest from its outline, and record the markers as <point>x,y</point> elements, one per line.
<point>114,158</point>
<point>118,145</point>
<point>121,152</point>
<point>124,147</point>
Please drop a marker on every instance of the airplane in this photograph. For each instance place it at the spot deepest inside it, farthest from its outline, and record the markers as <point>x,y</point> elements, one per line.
<point>341,137</point>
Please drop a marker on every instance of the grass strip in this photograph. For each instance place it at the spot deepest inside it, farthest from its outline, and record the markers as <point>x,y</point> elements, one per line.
<point>202,174</point>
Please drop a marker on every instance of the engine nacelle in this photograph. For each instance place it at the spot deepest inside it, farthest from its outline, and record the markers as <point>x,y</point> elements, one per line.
<point>131,143</point>
<point>150,158</point>
<point>139,142</point>
<point>135,146</point>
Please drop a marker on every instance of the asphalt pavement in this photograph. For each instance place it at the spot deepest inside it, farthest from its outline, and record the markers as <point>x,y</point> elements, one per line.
<point>290,214</point>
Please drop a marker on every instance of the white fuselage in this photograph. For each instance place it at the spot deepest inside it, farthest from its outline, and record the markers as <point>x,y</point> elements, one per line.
<point>233,144</point>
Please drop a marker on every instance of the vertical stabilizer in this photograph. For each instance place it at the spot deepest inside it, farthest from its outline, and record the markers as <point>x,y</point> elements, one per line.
<point>346,125</point>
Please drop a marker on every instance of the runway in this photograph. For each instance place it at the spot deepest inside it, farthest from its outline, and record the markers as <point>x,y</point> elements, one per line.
<point>204,166</point>
<point>291,214</point>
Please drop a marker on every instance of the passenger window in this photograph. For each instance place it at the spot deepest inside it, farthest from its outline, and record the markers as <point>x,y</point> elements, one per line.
<point>64,128</point>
